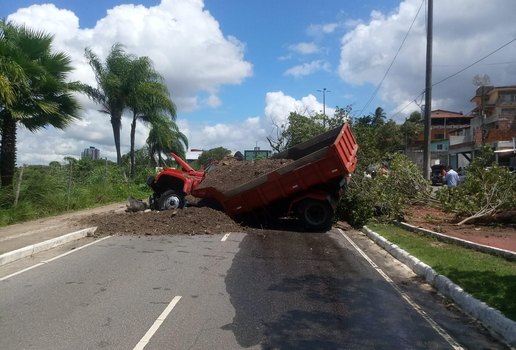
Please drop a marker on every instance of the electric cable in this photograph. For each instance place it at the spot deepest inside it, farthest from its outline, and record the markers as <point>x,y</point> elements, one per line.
<point>392,62</point>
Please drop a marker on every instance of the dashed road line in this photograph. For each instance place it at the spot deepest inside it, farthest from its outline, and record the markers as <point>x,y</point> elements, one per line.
<point>155,326</point>
<point>415,306</point>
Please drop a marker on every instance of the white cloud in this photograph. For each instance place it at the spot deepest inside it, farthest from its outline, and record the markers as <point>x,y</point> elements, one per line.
<point>183,40</point>
<point>308,68</point>
<point>213,101</point>
<point>278,107</point>
<point>322,29</point>
<point>304,48</point>
<point>237,136</point>
<point>460,37</point>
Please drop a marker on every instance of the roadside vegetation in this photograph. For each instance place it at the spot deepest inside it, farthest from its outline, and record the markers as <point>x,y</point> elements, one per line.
<point>41,191</point>
<point>35,93</point>
<point>488,278</point>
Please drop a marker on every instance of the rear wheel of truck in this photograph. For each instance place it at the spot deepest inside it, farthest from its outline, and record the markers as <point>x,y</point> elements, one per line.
<point>315,215</point>
<point>171,200</point>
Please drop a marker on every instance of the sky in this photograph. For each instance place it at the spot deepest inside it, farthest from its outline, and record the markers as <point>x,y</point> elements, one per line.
<point>236,69</point>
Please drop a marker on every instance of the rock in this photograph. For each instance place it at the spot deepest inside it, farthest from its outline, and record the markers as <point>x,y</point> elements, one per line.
<point>135,205</point>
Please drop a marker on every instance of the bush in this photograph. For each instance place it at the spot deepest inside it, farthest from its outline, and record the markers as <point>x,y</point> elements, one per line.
<point>386,196</point>
<point>486,191</point>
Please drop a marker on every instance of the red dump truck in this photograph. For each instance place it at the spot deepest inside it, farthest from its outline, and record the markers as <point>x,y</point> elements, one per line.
<point>308,187</point>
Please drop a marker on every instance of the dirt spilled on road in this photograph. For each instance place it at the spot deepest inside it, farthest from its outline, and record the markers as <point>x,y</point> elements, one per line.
<point>194,219</point>
<point>190,221</point>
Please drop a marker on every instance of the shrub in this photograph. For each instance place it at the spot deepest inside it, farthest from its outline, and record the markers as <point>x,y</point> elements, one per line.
<point>383,197</point>
<point>486,191</point>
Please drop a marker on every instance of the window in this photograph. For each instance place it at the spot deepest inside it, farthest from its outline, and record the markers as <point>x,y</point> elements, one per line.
<point>440,147</point>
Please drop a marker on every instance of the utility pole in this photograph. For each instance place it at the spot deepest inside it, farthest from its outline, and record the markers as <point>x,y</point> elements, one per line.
<point>428,93</point>
<point>324,91</point>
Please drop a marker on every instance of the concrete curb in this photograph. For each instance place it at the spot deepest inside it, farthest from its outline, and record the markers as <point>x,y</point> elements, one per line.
<point>17,254</point>
<point>491,318</point>
<point>507,254</point>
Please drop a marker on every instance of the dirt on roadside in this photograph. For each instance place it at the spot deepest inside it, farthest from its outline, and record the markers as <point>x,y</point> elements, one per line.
<point>487,233</point>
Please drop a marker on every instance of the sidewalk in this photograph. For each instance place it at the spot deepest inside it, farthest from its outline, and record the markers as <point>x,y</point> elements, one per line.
<point>25,234</point>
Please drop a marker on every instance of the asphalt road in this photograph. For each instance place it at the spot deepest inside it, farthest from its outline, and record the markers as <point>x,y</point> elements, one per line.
<point>282,290</point>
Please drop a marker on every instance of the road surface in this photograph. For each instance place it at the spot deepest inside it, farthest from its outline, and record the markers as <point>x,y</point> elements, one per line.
<point>279,290</point>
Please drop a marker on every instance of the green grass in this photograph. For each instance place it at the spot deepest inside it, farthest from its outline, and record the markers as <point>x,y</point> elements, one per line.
<point>486,277</point>
<point>52,190</point>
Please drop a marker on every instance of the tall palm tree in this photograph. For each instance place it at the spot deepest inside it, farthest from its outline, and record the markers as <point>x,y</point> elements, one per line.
<point>165,137</point>
<point>113,87</point>
<point>378,117</point>
<point>148,99</point>
<point>34,90</point>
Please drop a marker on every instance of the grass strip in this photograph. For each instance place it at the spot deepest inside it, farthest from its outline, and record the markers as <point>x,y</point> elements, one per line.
<point>486,277</point>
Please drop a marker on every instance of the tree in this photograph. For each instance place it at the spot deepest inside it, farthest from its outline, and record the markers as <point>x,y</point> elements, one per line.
<point>412,127</point>
<point>148,99</point>
<point>385,197</point>
<point>113,87</point>
<point>341,116</point>
<point>300,129</point>
<point>378,118</point>
<point>487,190</point>
<point>217,153</point>
<point>34,91</point>
<point>165,137</point>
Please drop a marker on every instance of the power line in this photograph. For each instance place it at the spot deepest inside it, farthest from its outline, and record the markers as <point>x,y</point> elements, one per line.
<point>457,73</point>
<point>407,105</point>
<point>477,61</point>
<point>392,62</point>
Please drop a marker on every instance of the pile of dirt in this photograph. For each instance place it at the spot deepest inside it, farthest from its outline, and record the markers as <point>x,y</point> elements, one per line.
<point>191,221</point>
<point>231,173</point>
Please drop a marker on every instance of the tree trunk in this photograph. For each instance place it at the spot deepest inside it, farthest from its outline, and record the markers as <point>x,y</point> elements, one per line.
<point>8,149</point>
<point>133,132</point>
<point>116,123</point>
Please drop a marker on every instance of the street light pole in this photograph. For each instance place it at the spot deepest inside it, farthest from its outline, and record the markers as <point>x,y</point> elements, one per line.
<point>428,94</point>
<point>324,91</point>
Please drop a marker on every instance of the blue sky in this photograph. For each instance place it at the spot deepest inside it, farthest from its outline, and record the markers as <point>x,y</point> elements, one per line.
<point>236,68</point>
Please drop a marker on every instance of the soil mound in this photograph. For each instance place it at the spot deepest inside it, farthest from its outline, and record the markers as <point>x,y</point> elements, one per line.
<point>231,173</point>
<point>190,220</point>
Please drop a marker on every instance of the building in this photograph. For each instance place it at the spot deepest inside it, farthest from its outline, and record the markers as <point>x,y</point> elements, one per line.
<point>443,124</point>
<point>91,153</point>
<point>256,153</point>
<point>493,122</point>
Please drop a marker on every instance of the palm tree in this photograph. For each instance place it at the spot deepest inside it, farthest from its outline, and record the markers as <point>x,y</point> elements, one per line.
<point>34,92</point>
<point>113,88</point>
<point>148,100</point>
<point>165,137</point>
<point>378,117</point>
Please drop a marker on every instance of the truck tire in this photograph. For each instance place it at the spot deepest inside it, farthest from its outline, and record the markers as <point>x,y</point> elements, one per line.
<point>171,200</point>
<point>315,215</point>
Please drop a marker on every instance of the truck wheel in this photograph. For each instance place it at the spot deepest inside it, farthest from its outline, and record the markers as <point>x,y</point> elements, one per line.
<point>171,200</point>
<point>315,215</point>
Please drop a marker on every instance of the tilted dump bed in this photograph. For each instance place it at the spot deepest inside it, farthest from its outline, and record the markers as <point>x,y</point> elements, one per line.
<point>325,159</point>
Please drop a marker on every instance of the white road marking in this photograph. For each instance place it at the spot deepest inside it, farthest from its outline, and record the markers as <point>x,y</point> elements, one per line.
<point>155,326</point>
<point>52,259</point>
<point>225,237</point>
<point>415,306</point>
